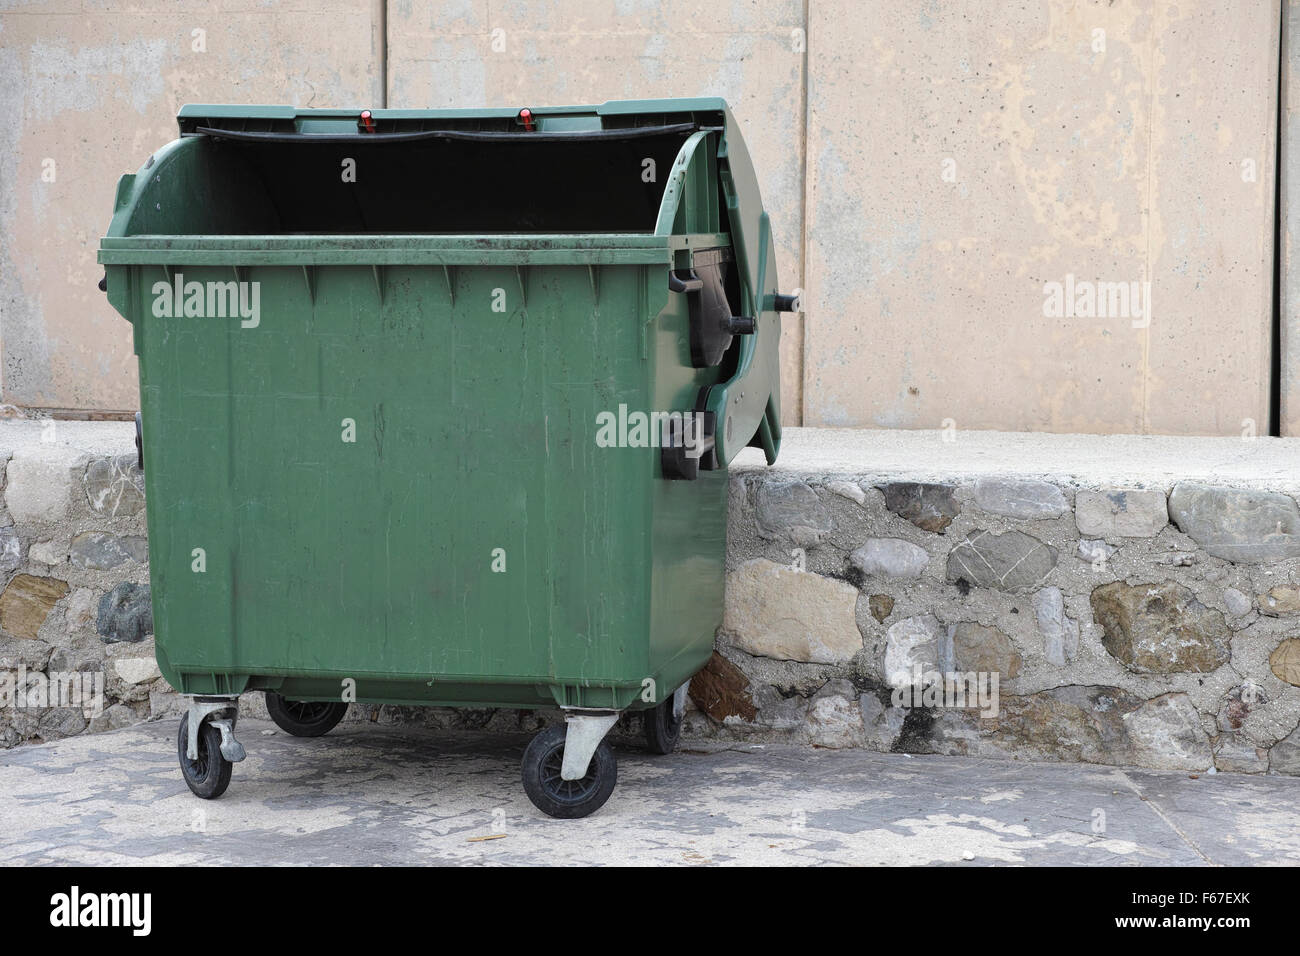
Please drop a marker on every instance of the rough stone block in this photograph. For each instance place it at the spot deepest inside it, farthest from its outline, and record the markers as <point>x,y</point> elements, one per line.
<point>1121,512</point>
<point>41,481</point>
<point>890,558</point>
<point>55,723</point>
<point>1073,723</point>
<point>79,611</point>
<point>835,722</point>
<point>165,702</point>
<point>115,486</point>
<point>27,602</point>
<point>1060,632</point>
<point>1285,661</point>
<point>1284,756</point>
<point>777,712</point>
<point>95,550</point>
<point>21,652</point>
<point>1237,705</point>
<point>1238,604</point>
<point>1237,524</point>
<point>881,605</point>
<point>792,509</point>
<point>137,670</point>
<point>1024,498</point>
<point>848,489</point>
<point>114,718</point>
<point>125,614</point>
<point>11,549</point>
<point>1012,561</point>
<point>930,507</point>
<point>1280,601</point>
<point>48,552</point>
<point>775,611</point>
<point>976,649</point>
<point>911,643</point>
<point>1095,551</point>
<point>1160,628</point>
<point>1166,734</point>
<point>721,690</point>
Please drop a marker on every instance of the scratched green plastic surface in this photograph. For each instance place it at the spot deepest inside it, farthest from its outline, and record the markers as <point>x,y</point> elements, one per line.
<point>475,431</point>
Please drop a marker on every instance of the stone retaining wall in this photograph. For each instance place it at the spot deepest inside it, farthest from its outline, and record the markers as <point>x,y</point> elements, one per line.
<point>1156,626</point>
<point>75,573</point>
<point>1149,623</point>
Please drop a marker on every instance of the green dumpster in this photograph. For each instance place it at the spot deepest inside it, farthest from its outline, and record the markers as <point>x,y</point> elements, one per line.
<point>437,407</point>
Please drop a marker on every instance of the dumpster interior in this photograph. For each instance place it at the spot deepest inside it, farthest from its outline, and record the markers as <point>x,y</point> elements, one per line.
<point>286,184</point>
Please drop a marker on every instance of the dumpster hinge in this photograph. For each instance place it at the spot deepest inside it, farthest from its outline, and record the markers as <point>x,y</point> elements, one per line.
<point>779,302</point>
<point>689,444</point>
<point>712,323</point>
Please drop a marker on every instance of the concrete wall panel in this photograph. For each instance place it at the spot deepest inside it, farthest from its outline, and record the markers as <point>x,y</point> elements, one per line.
<point>1000,148</point>
<point>87,91</point>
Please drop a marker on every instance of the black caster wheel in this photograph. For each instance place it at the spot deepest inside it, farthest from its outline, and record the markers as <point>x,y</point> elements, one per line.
<point>557,797</point>
<point>208,776</point>
<point>304,718</point>
<point>663,728</point>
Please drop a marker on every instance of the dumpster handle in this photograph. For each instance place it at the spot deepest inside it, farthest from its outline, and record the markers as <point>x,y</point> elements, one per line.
<point>678,284</point>
<point>570,136</point>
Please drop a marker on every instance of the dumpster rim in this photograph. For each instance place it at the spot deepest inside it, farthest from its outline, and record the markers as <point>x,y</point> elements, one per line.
<point>387,249</point>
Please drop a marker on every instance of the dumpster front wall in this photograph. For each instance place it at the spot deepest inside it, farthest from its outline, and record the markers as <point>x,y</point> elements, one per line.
<point>407,487</point>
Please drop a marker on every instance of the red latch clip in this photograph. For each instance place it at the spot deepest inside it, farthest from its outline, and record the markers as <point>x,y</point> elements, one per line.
<point>367,124</point>
<point>526,117</point>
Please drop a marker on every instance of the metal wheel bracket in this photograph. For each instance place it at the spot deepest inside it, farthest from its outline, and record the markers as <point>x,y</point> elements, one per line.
<point>583,734</point>
<point>202,709</point>
<point>679,701</point>
<point>231,748</point>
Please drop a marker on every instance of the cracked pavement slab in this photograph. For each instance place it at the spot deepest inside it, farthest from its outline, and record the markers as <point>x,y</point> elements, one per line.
<point>374,794</point>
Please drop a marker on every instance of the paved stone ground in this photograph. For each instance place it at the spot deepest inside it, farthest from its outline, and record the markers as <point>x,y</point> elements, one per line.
<point>370,794</point>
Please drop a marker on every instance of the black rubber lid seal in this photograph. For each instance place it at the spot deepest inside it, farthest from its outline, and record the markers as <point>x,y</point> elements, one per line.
<point>569,136</point>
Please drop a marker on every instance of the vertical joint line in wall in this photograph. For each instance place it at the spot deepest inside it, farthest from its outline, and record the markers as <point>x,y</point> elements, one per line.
<point>1279,211</point>
<point>380,16</point>
<point>1145,422</point>
<point>802,354</point>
